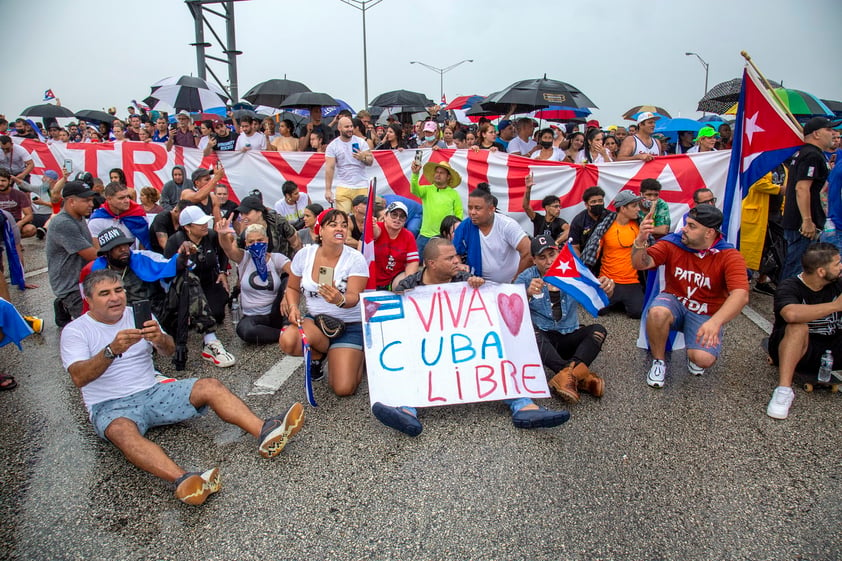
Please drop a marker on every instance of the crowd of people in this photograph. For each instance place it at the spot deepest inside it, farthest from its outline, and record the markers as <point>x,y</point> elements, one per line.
<point>113,253</point>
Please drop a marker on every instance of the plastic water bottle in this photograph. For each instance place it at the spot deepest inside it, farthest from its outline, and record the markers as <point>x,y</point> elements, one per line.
<point>829,227</point>
<point>236,312</point>
<point>827,366</point>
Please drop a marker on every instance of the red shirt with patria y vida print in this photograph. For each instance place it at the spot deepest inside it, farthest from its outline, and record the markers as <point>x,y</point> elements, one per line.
<point>700,281</point>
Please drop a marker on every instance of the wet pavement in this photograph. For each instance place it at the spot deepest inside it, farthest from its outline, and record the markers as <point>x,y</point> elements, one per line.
<point>693,471</point>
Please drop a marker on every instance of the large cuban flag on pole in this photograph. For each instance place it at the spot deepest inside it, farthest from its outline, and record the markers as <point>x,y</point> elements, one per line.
<point>764,137</point>
<point>573,277</point>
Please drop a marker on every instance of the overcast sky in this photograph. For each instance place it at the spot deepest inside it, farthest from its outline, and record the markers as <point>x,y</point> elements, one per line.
<point>98,53</point>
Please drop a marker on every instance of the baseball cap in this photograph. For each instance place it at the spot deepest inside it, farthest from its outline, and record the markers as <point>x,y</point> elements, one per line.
<point>51,174</point>
<point>592,123</point>
<point>358,200</point>
<point>184,113</point>
<point>397,205</point>
<point>199,173</point>
<point>624,198</point>
<point>645,116</point>
<point>503,124</point>
<point>705,132</point>
<point>110,238</point>
<point>193,215</point>
<point>706,215</point>
<point>250,203</point>
<point>542,242</point>
<point>76,189</point>
<point>430,126</point>
<point>817,123</point>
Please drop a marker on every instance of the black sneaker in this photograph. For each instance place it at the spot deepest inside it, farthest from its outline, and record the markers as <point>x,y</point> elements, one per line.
<point>764,288</point>
<point>316,371</point>
<point>277,431</point>
<point>40,233</point>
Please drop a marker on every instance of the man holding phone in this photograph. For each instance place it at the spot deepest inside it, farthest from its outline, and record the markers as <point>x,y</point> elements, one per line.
<point>346,157</point>
<point>110,360</point>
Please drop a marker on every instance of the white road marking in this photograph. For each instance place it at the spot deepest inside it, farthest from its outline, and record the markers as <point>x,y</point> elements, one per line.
<point>35,272</point>
<point>275,377</point>
<point>758,320</point>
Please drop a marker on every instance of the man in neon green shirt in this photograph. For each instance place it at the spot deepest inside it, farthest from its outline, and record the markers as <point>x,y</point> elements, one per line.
<point>438,200</point>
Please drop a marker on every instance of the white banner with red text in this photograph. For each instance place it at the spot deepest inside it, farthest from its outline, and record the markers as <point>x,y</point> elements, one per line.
<point>150,164</point>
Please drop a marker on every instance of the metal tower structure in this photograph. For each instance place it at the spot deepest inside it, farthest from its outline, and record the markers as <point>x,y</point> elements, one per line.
<point>200,10</point>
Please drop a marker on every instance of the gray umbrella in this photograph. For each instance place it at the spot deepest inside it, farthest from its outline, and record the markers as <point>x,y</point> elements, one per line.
<point>402,98</point>
<point>272,93</point>
<point>47,110</point>
<point>305,100</point>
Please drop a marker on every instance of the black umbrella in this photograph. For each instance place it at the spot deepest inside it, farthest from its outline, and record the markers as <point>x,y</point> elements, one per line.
<point>94,115</point>
<point>273,92</point>
<point>721,97</point>
<point>240,113</point>
<point>400,98</point>
<point>529,95</point>
<point>47,110</point>
<point>296,119</point>
<point>835,106</point>
<point>305,100</point>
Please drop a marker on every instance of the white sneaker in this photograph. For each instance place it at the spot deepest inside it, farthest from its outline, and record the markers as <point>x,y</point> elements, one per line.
<point>694,368</point>
<point>214,352</point>
<point>657,373</point>
<point>778,407</point>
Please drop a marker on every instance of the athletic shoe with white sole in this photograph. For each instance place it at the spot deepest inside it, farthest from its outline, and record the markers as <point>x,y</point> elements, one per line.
<point>277,431</point>
<point>194,488</point>
<point>214,352</point>
<point>36,323</point>
<point>778,407</point>
<point>657,374</point>
<point>694,368</point>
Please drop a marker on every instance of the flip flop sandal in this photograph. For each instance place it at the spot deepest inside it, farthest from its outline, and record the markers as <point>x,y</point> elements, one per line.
<point>7,382</point>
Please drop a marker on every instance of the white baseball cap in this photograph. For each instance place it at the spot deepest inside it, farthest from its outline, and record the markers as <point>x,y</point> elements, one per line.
<point>193,215</point>
<point>645,116</point>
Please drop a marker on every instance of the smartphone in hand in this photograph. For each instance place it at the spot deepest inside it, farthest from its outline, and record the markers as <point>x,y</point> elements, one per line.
<point>326,276</point>
<point>419,154</point>
<point>142,313</point>
<point>355,147</point>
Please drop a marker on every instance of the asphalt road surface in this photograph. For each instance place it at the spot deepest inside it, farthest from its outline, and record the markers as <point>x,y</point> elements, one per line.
<point>693,471</point>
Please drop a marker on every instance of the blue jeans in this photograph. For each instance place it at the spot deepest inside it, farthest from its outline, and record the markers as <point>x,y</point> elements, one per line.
<point>796,244</point>
<point>835,238</point>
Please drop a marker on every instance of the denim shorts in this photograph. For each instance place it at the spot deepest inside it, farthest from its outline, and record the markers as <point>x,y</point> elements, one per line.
<point>687,322</point>
<point>351,338</point>
<point>162,404</point>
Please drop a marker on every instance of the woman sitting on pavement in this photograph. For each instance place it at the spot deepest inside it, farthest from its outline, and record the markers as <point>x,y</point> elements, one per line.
<point>263,278</point>
<point>330,305</point>
<point>395,251</point>
<point>149,197</point>
<point>306,234</point>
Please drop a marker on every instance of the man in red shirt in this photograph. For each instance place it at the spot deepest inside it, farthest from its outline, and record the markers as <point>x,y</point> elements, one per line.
<point>706,287</point>
<point>395,251</point>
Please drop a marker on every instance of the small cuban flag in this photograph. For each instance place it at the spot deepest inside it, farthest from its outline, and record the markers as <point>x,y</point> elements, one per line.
<point>48,95</point>
<point>572,276</point>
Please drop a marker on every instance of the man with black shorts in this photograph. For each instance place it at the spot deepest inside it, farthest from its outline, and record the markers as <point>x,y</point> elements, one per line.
<point>808,322</point>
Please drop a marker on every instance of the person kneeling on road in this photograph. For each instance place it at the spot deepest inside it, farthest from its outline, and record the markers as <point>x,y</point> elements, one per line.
<point>808,322</point>
<point>110,360</point>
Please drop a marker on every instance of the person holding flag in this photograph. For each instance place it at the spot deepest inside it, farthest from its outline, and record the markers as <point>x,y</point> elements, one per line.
<point>706,287</point>
<point>554,284</point>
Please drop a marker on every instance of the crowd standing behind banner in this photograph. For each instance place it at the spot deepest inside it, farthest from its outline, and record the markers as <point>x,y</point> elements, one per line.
<point>272,180</point>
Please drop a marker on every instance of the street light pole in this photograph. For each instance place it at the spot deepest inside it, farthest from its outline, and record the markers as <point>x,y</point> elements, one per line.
<point>441,71</point>
<point>363,5</point>
<point>705,64</point>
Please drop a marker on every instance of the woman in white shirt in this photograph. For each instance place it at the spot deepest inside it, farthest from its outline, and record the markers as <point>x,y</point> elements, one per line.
<point>593,152</point>
<point>331,277</point>
<point>548,151</point>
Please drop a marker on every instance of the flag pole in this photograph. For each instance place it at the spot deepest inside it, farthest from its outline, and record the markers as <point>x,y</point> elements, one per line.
<point>771,89</point>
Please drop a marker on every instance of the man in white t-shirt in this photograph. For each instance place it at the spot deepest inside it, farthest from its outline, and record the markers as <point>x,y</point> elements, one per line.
<point>110,360</point>
<point>523,144</point>
<point>504,249</point>
<point>251,138</point>
<point>292,205</point>
<point>347,157</point>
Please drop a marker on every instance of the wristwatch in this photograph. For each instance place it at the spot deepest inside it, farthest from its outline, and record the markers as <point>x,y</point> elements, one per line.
<point>109,354</point>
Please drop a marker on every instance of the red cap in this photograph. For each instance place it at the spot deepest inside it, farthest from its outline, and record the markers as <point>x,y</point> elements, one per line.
<point>592,123</point>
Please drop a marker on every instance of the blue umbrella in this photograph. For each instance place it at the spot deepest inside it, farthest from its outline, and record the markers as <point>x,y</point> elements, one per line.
<point>710,119</point>
<point>677,124</point>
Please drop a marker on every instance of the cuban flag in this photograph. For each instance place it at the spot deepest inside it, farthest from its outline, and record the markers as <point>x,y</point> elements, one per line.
<point>764,137</point>
<point>573,277</point>
<point>48,95</point>
<point>368,236</point>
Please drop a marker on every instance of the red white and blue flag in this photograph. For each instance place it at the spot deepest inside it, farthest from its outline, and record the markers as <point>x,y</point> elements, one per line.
<point>573,277</point>
<point>764,137</point>
<point>48,95</point>
<point>368,236</point>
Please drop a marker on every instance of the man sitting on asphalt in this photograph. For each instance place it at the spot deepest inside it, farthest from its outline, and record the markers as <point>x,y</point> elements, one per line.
<point>808,322</point>
<point>110,360</point>
<point>122,212</point>
<point>566,348</point>
<point>583,223</point>
<point>706,287</point>
<point>442,265</point>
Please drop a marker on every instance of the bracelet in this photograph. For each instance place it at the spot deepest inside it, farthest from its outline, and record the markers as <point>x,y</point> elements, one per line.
<point>635,246</point>
<point>342,303</point>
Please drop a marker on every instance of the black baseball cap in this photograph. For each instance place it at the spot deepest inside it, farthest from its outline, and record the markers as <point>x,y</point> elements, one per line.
<point>76,189</point>
<point>542,242</point>
<point>707,215</point>
<point>199,173</point>
<point>250,203</point>
<point>110,238</point>
<point>818,123</point>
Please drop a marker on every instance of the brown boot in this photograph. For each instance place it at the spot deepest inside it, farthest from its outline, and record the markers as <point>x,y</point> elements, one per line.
<point>564,383</point>
<point>588,381</point>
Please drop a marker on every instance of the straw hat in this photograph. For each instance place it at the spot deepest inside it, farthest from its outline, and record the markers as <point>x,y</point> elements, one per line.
<point>430,170</point>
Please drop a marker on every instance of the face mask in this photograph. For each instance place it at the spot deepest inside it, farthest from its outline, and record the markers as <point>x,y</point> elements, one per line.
<point>258,257</point>
<point>597,209</point>
<point>546,144</point>
<point>429,138</point>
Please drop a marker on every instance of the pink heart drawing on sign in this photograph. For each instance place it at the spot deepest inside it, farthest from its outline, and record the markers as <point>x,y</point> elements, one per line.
<point>511,308</point>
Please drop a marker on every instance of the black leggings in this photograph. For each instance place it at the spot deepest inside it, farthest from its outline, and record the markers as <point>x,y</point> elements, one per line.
<point>260,330</point>
<point>630,297</point>
<point>582,345</point>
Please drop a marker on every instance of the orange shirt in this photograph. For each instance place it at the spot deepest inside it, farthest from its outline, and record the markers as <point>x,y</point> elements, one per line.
<point>616,253</point>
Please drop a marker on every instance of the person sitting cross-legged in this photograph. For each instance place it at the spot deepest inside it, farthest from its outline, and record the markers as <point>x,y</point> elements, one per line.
<point>110,360</point>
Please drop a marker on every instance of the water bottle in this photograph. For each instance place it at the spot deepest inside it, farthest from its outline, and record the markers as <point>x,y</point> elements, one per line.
<point>826,367</point>
<point>829,227</point>
<point>236,312</point>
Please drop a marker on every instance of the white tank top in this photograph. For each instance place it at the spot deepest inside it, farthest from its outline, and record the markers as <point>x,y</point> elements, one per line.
<point>641,148</point>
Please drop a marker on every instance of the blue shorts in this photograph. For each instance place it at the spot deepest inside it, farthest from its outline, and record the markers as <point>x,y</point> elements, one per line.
<point>351,338</point>
<point>687,322</point>
<point>162,404</point>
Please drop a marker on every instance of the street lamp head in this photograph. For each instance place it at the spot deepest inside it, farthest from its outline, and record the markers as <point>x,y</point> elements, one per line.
<point>689,54</point>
